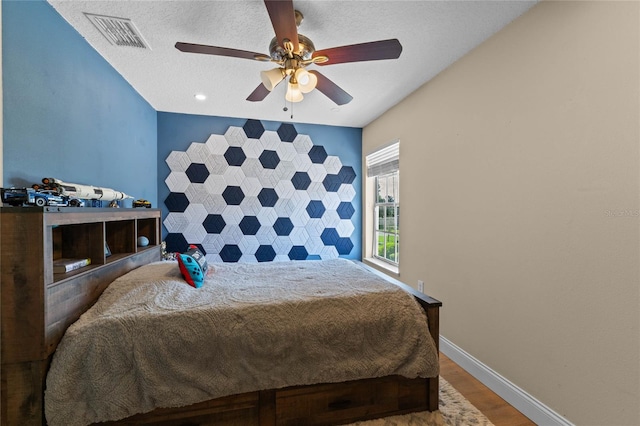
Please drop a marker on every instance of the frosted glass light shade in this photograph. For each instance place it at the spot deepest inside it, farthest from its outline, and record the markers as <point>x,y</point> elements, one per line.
<point>271,78</point>
<point>306,80</point>
<point>293,93</point>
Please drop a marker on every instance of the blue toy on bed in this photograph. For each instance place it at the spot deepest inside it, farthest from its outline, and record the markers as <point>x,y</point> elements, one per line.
<point>193,266</point>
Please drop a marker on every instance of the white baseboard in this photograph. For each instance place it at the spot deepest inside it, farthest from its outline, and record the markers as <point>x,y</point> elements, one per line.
<point>518,398</point>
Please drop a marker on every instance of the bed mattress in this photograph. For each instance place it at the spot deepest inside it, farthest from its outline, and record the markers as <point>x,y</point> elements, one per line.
<point>153,341</point>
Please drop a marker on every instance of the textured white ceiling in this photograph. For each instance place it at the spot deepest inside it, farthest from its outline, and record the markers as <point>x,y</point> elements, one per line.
<point>434,34</point>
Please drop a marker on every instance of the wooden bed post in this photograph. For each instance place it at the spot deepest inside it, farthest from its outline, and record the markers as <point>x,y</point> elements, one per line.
<point>431,307</point>
<point>267,407</point>
<point>433,316</point>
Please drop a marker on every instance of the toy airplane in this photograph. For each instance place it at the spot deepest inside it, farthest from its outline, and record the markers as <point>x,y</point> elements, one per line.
<point>85,191</point>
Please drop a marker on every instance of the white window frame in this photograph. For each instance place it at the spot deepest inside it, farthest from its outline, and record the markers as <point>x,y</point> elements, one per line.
<point>384,163</point>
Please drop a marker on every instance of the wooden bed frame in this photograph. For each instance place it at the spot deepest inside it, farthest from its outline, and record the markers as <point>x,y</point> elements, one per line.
<point>34,322</point>
<point>320,404</point>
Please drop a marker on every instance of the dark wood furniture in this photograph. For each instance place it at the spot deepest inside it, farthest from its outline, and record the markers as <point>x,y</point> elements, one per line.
<point>38,306</point>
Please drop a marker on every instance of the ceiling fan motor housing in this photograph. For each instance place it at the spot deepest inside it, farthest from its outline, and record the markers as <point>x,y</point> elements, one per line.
<point>304,53</point>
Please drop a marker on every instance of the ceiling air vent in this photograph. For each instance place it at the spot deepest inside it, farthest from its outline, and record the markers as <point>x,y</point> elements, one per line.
<point>119,31</point>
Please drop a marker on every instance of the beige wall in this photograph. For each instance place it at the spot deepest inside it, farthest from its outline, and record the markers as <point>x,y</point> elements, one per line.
<point>520,204</point>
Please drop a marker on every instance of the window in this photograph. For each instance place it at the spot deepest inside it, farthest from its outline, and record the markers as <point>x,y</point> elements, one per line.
<point>383,166</point>
<point>387,218</point>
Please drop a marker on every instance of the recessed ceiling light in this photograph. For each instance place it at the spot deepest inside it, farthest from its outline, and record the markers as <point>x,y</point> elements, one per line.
<point>200,96</point>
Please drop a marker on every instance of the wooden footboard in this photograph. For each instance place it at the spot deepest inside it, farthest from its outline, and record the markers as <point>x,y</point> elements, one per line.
<point>323,404</point>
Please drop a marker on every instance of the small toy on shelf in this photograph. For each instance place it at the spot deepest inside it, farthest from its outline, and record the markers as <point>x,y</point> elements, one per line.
<point>38,197</point>
<point>54,192</point>
<point>85,191</point>
<point>14,196</point>
<point>142,203</point>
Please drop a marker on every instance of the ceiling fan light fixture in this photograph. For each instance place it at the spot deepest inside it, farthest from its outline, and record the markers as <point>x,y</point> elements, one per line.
<point>306,80</point>
<point>293,93</point>
<point>271,78</point>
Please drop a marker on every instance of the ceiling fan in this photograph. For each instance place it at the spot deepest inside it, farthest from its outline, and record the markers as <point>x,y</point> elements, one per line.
<point>293,52</point>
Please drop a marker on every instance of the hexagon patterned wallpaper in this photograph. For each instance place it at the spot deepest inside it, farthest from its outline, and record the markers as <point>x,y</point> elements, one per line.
<point>256,195</point>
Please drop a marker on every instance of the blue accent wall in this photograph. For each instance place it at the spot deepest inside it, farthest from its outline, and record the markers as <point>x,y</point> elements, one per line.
<point>67,113</point>
<point>204,167</point>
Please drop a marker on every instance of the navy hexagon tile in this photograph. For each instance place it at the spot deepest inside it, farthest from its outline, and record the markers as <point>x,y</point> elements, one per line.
<point>230,253</point>
<point>347,174</point>
<point>287,132</point>
<point>283,226</point>
<point>345,210</point>
<point>214,223</point>
<point>315,209</point>
<point>298,253</point>
<point>268,197</point>
<point>176,202</point>
<point>301,180</point>
<point>253,129</point>
<point>249,225</point>
<point>235,156</point>
<point>265,253</point>
<point>344,245</point>
<point>330,236</point>
<point>255,195</point>
<point>317,154</point>
<point>176,242</point>
<point>332,183</point>
<point>233,195</point>
<point>197,173</point>
<point>269,159</point>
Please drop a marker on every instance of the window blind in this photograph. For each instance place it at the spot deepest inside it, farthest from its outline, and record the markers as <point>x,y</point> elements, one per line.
<point>384,160</point>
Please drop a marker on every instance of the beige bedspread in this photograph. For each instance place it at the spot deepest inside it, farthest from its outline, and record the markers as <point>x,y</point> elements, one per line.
<point>153,341</point>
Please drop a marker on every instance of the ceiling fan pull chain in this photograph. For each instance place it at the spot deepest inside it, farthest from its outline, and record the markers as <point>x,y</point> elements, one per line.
<point>285,109</point>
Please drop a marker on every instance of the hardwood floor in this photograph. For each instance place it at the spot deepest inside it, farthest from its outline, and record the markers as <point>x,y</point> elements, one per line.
<point>497,410</point>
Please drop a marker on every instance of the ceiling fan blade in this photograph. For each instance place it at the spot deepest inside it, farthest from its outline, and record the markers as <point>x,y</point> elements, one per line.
<point>283,19</point>
<point>220,51</point>
<point>331,90</point>
<point>372,51</point>
<point>259,94</point>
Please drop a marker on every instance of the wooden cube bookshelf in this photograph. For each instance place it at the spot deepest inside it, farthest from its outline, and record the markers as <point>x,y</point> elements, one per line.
<point>148,228</point>
<point>32,301</point>
<point>121,238</point>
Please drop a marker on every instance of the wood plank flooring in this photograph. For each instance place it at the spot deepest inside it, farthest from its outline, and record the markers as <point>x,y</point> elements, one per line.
<point>497,410</point>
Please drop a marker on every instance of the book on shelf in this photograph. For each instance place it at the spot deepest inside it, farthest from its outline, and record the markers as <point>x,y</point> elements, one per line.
<point>68,265</point>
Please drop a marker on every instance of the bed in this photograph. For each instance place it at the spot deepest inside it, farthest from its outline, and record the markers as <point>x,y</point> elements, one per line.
<point>292,349</point>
